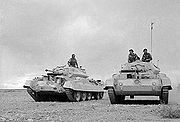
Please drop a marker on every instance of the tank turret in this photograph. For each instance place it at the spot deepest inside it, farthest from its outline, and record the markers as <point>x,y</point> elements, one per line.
<point>140,66</point>
<point>70,72</point>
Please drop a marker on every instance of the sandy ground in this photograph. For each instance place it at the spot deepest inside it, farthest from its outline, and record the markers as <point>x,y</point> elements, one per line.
<point>17,105</point>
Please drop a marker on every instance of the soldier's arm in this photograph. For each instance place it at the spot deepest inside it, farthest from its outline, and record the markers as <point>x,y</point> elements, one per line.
<point>129,59</point>
<point>137,57</point>
<point>150,57</point>
<point>76,64</point>
<point>143,58</point>
<point>69,62</point>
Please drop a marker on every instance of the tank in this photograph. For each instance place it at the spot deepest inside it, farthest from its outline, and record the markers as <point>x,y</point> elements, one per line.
<point>64,84</point>
<point>138,79</point>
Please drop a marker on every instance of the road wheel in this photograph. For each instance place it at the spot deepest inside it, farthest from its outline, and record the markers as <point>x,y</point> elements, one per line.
<point>89,96</point>
<point>101,95</point>
<point>97,96</point>
<point>164,96</point>
<point>84,96</point>
<point>77,96</point>
<point>112,96</point>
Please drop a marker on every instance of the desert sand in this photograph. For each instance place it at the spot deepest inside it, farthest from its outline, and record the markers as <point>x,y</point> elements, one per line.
<point>17,105</point>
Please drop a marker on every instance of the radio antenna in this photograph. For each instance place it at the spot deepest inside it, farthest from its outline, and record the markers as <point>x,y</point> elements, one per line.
<point>151,36</point>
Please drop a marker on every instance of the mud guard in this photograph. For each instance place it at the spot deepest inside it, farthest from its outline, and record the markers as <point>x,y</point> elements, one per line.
<point>165,81</point>
<point>109,84</point>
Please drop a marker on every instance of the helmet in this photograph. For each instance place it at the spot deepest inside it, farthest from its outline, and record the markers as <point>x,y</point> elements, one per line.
<point>144,49</point>
<point>131,50</point>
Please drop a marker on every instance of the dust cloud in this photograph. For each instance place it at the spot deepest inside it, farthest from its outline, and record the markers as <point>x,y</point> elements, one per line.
<point>174,94</point>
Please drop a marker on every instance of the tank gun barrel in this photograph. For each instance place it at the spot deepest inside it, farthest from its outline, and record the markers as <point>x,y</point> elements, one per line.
<point>61,66</point>
<point>54,73</point>
<point>130,71</point>
<point>47,70</point>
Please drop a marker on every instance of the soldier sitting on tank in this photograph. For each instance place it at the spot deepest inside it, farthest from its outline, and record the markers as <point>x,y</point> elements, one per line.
<point>73,62</point>
<point>132,56</point>
<point>146,56</point>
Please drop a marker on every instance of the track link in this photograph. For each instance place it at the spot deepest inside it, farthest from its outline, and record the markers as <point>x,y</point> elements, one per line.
<point>70,94</point>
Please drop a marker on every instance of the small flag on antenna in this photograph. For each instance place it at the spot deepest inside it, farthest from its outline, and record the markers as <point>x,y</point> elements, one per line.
<point>152,25</point>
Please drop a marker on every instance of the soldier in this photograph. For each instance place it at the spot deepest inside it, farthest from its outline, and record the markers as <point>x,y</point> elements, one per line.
<point>146,56</point>
<point>132,56</point>
<point>72,61</point>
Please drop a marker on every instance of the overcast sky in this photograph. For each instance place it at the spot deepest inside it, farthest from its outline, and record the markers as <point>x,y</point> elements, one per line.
<point>40,34</point>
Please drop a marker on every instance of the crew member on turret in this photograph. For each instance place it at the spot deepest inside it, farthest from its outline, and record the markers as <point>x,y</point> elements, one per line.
<point>132,56</point>
<point>73,62</point>
<point>146,56</point>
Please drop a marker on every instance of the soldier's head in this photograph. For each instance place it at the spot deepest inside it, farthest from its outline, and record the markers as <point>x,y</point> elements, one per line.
<point>73,55</point>
<point>131,51</point>
<point>145,50</point>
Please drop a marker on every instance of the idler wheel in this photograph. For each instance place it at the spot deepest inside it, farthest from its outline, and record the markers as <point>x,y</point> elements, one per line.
<point>77,96</point>
<point>84,96</point>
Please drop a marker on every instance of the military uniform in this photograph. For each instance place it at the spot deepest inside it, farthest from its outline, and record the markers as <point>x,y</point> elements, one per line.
<point>73,62</point>
<point>146,57</point>
<point>132,57</point>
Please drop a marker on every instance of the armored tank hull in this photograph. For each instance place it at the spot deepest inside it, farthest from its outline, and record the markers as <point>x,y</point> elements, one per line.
<point>66,84</point>
<point>138,79</point>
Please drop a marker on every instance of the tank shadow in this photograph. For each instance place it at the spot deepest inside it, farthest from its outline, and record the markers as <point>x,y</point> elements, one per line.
<point>141,102</point>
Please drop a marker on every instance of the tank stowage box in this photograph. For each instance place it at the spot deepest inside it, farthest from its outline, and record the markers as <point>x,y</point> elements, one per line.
<point>138,79</point>
<point>64,84</point>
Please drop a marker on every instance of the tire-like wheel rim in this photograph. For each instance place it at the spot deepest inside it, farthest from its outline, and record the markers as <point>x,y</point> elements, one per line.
<point>77,96</point>
<point>84,96</point>
<point>89,96</point>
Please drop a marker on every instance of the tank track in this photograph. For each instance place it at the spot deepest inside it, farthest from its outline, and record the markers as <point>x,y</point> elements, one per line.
<point>47,96</point>
<point>72,98</point>
<point>114,99</point>
<point>164,96</point>
<point>68,95</point>
<point>112,96</point>
<point>32,94</point>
